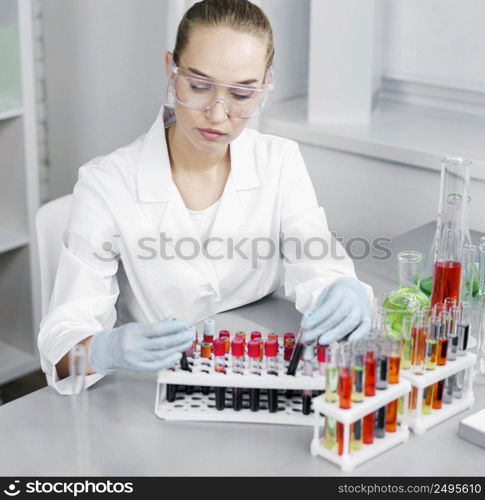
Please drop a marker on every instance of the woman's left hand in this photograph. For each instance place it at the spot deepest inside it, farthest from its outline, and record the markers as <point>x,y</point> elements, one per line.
<point>342,308</point>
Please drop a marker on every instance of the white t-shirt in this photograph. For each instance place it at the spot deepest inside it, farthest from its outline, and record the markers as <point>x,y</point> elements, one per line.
<point>204,219</point>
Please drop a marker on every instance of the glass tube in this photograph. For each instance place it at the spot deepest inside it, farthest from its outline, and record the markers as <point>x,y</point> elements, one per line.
<point>370,368</point>
<point>463,328</point>
<point>427,400</point>
<point>332,374</point>
<point>469,278</point>
<point>448,390</point>
<point>358,350</point>
<point>391,416</point>
<point>394,360</point>
<point>480,366</point>
<point>368,434</point>
<point>356,436</point>
<point>443,342</point>
<point>418,332</point>
<point>380,422</point>
<point>330,434</point>
<point>434,333</point>
<point>453,315</point>
<point>438,392</point>
<point>344,376</point>
<point>406,343</point>
<point>382,363</point>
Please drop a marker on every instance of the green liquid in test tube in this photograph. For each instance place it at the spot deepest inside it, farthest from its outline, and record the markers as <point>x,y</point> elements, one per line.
<point>330,434</point>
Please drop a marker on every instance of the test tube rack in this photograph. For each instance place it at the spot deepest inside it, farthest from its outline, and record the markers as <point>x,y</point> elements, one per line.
<point>352,458</point>
<point>197,406</point>
<point>419,422</point>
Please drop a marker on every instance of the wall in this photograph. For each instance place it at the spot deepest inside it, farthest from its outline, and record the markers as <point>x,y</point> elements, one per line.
<point>368,197</point>
<point>105,79</point>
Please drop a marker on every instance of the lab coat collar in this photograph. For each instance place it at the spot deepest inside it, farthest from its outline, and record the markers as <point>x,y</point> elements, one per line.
<point>154,175</point>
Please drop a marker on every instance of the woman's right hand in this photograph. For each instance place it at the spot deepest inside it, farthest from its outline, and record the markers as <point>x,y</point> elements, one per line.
<point>139,347</point>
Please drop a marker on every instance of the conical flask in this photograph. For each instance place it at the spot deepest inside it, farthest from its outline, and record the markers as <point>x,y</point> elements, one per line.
<point>455,179</point>
<point>407,299</point>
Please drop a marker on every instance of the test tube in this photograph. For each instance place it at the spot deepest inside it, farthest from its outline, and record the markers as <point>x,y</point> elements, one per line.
<point>226,335</point>
<point>237,351</point>
<point>209,330</point>
<point>427,400</point>
<point>469,272</point>
<point>330,433</point>
<point>358,351</point>
<point>206,355</point>
<point>438,391</point>
<point>463,328</point>
<point>368,434</point>
<point>220,367</point>
<point>340,438</point>
<point>394,346</point>
<point>391,416</point>
<point>448,390</point>
<point>255,369</point>
<point>331,383</point>
<point>453,314</point>
<point>258,336</point>
<point>382,363</point>
<point>356,435</point>
<point>370,369</point>
<point>271,353</point>
<point>321,357</point>
<point>380,422</point>
<point>288,337</point>
<point>434,333</point>
<point>418,332</point>
<point>308,371</point>
<point>296,354</point>
<point>344,376</point>
<point>459,384</point>
<point>442,343</point>
<point>406,343</point>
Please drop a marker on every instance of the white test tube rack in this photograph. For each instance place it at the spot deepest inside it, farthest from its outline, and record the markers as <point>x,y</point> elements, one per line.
<point>420,422</point>
<point>197,406</point>
<point>352,458</point>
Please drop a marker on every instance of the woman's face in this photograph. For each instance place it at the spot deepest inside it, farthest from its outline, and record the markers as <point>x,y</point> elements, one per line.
<point>230,57</point>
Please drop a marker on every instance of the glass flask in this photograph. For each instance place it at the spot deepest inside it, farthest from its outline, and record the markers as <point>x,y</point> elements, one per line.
<point>449,252</point>
<point>455,179</point>
<point>407,298</point>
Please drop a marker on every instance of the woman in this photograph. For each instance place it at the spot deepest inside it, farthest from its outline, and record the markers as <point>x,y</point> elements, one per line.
<point>198,216</point>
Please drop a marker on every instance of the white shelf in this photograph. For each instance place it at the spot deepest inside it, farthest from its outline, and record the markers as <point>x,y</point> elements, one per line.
<point>10,240</point>
<point>400,133</point>
<point>7,114</point>
<point>14,362</point>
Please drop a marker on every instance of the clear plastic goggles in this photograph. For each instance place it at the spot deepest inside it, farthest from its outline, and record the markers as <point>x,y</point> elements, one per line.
<point>201,93</point>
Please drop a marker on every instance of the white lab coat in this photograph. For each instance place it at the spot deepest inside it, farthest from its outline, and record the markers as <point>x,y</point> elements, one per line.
<point>126,199</point>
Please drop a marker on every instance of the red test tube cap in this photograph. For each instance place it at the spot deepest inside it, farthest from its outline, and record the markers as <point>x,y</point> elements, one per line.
<point>321,353</point>
<point>255,335</point>
<point>271,348</point>
<point>288,336</point>
<point>237,347</point>
<point>208,338</point>
<point>219,347</point>
<point>224,334</point>
<point>254,348</point>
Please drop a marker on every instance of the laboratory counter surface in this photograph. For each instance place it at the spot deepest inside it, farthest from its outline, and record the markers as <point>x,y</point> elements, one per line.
<point>45,434</point>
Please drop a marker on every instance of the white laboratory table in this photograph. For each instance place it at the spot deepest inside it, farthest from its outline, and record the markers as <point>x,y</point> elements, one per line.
<point>123,436</point>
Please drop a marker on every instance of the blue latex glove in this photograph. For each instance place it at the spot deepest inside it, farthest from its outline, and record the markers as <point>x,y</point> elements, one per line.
<point>139,347</point>
<point>342,308</point>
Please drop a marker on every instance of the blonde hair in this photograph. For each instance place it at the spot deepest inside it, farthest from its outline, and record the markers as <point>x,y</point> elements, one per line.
<point>240,15</point>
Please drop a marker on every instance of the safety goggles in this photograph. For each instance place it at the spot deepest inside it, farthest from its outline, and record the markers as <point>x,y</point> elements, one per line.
<point>201,93</point>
